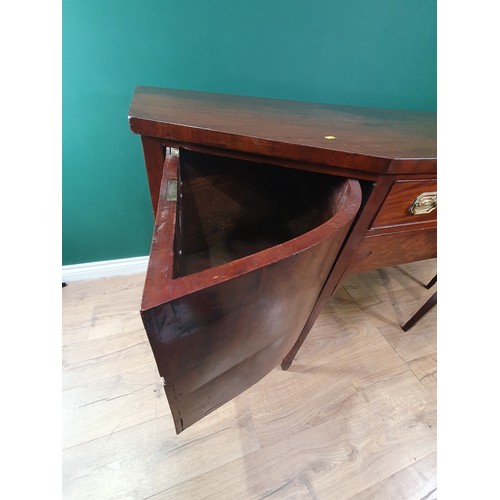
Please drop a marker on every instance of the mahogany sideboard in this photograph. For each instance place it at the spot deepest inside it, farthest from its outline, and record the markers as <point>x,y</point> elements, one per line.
<point>262,207</point>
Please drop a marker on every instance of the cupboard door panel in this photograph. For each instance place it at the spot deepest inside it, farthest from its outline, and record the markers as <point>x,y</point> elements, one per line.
<point>239,257</point>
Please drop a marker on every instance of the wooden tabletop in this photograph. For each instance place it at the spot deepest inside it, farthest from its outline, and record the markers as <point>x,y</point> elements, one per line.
<point>369,139</point>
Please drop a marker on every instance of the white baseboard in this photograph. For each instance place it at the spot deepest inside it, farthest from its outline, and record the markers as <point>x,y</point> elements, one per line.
<point>104,269</point>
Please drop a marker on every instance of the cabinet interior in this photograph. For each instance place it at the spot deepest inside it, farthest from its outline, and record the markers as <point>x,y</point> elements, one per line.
<point>229,208</point>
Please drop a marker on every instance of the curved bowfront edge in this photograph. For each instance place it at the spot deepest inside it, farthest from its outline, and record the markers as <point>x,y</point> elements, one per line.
<point>217,329</point>
<point>160,283</point>
<point>216,332</point>
<point>355,138</point>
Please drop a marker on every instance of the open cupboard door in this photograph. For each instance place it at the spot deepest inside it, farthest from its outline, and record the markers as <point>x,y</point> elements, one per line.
<point>240,253</point>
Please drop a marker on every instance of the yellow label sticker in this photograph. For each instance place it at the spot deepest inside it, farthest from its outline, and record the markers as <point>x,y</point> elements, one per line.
<point>329,137</point>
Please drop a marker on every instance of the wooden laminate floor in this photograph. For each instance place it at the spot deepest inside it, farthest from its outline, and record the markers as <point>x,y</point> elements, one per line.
<point>354,416</point>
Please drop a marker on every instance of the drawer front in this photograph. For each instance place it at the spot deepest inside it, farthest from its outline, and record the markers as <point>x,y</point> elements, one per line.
<point>393,249</point>
<point>396,208</point>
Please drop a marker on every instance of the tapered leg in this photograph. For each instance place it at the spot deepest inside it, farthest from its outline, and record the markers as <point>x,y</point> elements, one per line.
<point>343,263</point>
<point>432,282</point>
<point>429,304</point>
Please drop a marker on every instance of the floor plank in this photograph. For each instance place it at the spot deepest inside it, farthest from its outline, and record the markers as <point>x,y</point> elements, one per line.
<point>353,417</point>
<point>416,482</point>
<point>141,461</point>
<point>371,436</point>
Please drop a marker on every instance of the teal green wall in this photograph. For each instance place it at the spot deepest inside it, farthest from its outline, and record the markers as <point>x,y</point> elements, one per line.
<point>379,53</point>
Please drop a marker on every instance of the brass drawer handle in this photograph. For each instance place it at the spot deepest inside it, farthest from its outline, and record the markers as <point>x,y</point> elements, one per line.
<point>424,203</point>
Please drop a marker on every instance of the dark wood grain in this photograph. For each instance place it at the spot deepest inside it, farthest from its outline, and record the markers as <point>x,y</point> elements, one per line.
<point>217,331</point>
<point>154,157</point>
<point>395,209</point>
<point>345,259</point>
<point>233,208</point>
<point>385,148</point>
<point>365,138</point>
<point>395,248</point>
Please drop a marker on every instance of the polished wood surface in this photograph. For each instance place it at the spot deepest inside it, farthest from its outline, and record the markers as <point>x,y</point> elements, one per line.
<point>371,247</point>
<point>384,250</point>
<point>365,139</point>
<point>390,152</point>
<point>154,158</point>
<point>228,293</point>
<point>231,209</point>
<point>345,260</point>
<point>395,209</point>
<point>354,416</point>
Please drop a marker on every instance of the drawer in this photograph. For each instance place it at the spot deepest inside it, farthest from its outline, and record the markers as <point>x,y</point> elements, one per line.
<point>395,210</point>
<point>392,249</point>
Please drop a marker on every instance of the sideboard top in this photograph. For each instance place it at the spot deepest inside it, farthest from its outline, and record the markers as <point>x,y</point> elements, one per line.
<point>346,136</point>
